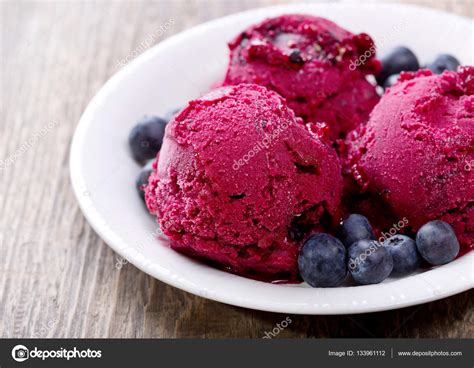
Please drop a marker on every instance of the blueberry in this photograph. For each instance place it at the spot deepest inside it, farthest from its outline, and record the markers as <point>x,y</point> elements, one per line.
<point>295,57</point>
<point>399,59</point>
<point>390,81</point>
<point>369,262</point>
<point>171,113</point>
<point>355,227</point>
<point>406,258</point>
<point>323,261</point>
<point>146,138</point>
<point>437,242</point>
<point>443,62</point>
<point>142,179</point>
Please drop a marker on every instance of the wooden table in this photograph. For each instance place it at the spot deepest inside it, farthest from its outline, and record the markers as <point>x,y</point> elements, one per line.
<point>57,277</point>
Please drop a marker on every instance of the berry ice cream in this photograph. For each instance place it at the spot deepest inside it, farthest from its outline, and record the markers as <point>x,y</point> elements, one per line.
<point>413,157</point>
<point>242,182</point>
<point>319,67</point>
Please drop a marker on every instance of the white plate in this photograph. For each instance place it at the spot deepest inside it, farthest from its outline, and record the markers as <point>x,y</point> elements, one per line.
<point>186,65</point>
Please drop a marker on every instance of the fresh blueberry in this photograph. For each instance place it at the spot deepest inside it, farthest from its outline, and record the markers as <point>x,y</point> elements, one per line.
<point>369,262</point>
<point>390,81</point>
<point>142,179</point>
<point>406,258</point>
<point>295,57</point>
<point>437,242</point>
<point>443,62</point>
<point>399,59</point>
<point>171,113</point>
<point>323,261</point>
<point>355,227</point>
<point>146,138</point>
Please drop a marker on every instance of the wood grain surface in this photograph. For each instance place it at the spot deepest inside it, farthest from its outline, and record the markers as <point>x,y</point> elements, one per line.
<point>57,277</point>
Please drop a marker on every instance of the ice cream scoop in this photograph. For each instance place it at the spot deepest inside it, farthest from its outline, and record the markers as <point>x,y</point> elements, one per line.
<point>317,66</point>
<point>241,181</point>
<point>413,156</point>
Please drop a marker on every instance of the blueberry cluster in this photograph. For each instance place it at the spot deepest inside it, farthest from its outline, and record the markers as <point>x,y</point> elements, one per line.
<point>325,261</point>
<point>402,59</point>
<point>145,142</point>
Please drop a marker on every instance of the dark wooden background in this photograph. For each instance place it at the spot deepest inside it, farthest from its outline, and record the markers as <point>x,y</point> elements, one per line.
<point>57,277</point>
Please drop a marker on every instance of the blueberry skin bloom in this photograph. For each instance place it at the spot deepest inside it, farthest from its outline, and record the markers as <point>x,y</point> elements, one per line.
<point>406,258</point>
<point>437,242</point>
<point>369,262</point>
<point>142,179</point>
<point>443,62</point>
<point>355,227</point>
<point>146,138</point>
<point>323,261</point>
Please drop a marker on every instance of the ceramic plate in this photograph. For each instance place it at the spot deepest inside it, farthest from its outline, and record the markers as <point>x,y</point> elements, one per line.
<point>187,65</point>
